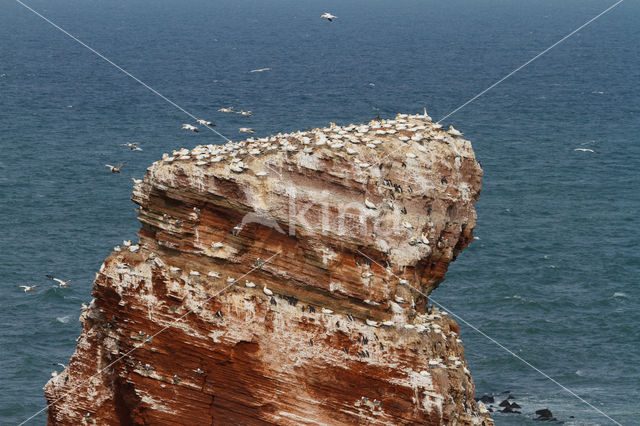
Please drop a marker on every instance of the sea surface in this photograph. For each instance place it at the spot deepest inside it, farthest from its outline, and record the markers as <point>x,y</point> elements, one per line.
<point>553,274</point>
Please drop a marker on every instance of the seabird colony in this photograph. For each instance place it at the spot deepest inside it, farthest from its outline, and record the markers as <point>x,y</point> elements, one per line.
<point>407,128</point>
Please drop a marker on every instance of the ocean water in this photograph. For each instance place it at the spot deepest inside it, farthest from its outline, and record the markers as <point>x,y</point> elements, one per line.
<point>553,275</point>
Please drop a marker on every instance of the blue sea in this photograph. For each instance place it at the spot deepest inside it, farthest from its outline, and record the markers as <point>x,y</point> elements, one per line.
<point>553,274</point>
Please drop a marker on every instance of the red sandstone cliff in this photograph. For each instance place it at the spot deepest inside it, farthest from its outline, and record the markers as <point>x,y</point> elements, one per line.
<point>348,228</point>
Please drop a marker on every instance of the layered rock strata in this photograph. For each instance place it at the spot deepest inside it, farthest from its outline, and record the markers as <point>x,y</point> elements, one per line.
<point>284,280</point>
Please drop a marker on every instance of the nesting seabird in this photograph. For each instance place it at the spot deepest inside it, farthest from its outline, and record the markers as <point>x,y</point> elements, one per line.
<point>114,169</point>
<point>60,282</point>
<point>267,291</point>
<point>329,17</point>
<point>454,132</point>
<point>369,204</point>
<point>326,311</point>
<point>136,181</point>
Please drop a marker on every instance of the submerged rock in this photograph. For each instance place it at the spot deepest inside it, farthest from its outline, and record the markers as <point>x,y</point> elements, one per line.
<point>352,226</point>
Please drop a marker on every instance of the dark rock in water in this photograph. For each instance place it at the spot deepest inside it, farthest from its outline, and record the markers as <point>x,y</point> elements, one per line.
<point>510,410</point>
<point>487,399</point>
<point>515,405</point>
<point>544,415</point>
<point>505,403</point>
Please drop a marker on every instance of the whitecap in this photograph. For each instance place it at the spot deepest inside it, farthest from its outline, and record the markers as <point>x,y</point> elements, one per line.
<point>579,373</point>
<point>65,319</point>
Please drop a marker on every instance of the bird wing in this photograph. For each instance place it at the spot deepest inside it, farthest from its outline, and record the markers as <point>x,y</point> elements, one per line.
<point>109,166</point>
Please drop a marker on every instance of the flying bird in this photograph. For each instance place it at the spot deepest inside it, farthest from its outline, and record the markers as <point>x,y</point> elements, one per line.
<point>229,110</point>
<point>246,130</point>
<point>206,123</point>
<point>133,146</point>
<point>261,70</point>
<point>587,150</point>
<point>28,288</point>
<point>190,127</point>
<point>329,17</point>
<point>59,281</point>
<point>114,169</point>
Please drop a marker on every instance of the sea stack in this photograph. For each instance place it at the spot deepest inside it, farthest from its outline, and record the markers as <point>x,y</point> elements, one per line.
<point>342,337</point>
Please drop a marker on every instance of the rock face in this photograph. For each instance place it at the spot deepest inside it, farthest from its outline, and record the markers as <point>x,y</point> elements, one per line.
<point>284,280</point>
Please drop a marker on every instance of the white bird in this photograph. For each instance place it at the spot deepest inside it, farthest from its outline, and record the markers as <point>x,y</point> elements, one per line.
<point>329,17</point>
<point>267,291</point>
<point>174,269</point>
<point>372,323</point>
<point>261,70</point>
<point>190,127</point>
<point>369,204</point>
<point>454,132</point>
<point>205,122</point>
<point>246,130</point>
<point>133,146</point>
<point>261,174</point>
<point>424,239</point>
<point>586,150</point>
<point>245,113</point>
<point>194,273</point>
<point>249,284</point>
<point>213,274</point>
<point>136,181</point>
<point>114,169</point>
<point>326,311</point>
<point>407,224</point>
<point>217,245</point>
<point>228,110</point>
<point>59,281</point>
<point>388,323</point>
<point>28,288</point>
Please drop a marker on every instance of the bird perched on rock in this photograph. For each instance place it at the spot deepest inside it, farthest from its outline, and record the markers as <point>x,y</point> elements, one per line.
<point>114,169</point>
